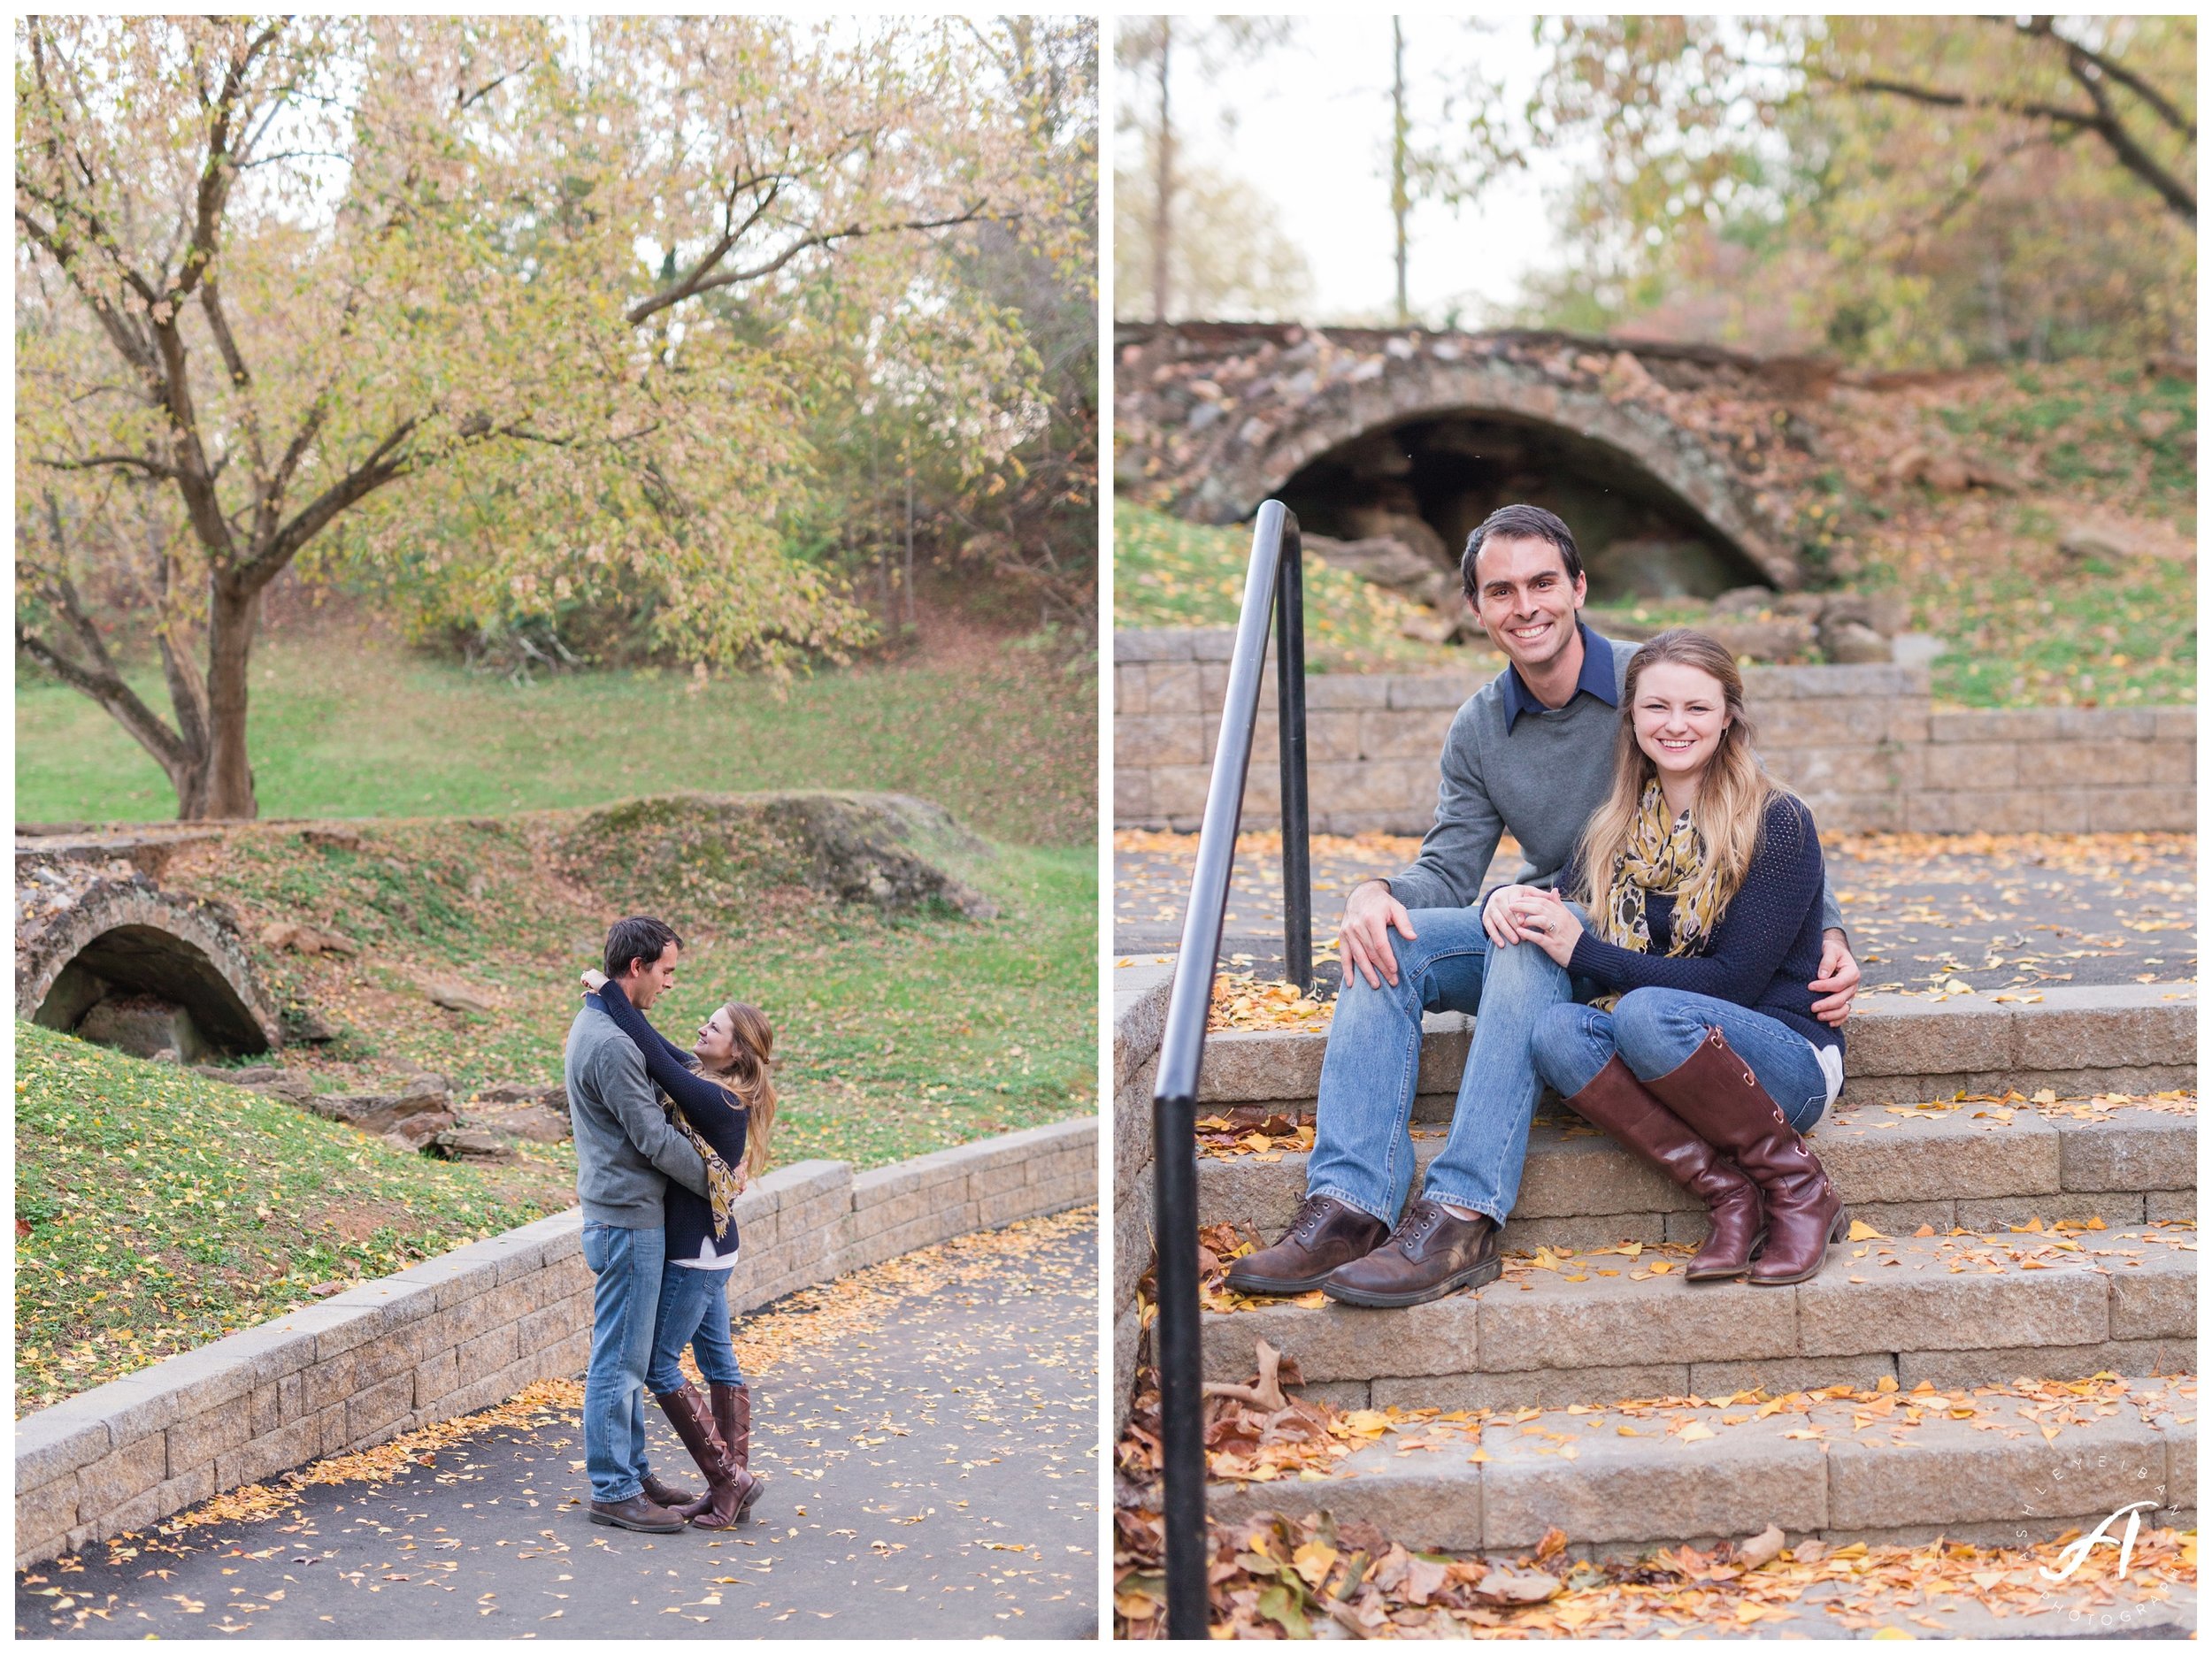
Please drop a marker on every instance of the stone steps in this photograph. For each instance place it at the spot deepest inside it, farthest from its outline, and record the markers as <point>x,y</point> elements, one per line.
<point>1975,1164</point>
<point>2127,1038</point>
<point>1861,1475</point>
<point>1950,1310</point>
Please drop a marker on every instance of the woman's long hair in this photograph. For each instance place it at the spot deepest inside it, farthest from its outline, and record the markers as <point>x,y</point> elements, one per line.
<point>748,1081</point>
<point>1733,791</point>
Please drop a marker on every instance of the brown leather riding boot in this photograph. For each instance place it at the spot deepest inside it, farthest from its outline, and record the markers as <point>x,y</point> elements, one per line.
<point>1616,1101</point>
<point>1431,1253</point>
<point>1326,1234</point>
<point>734,1418</point>
<point>1715,1091</point>
<point>687,1411</point>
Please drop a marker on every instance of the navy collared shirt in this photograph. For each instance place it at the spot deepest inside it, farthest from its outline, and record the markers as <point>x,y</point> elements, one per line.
<point>1596,678</point>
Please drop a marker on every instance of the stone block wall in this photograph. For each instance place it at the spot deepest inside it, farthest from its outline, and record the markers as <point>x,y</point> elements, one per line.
<point>1139,1015</point>
<point>463,1331</point>
<point>1863,744</point>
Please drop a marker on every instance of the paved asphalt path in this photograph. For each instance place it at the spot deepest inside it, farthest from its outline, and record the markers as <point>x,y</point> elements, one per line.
<point>1995,912</point>
<point>933,1476</point>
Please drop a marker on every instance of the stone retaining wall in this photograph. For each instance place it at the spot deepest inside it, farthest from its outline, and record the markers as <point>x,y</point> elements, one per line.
<point>459,1332</point>
<point>1139,1016</point>
<point>1863,744</point>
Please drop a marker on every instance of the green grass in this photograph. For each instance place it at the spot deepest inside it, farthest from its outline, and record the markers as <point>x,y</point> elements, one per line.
<point>895,1035</point>
<point>342,727</point>
<point>2095,431</point>
<point>156,1211</point>
<point>2096,637</point>
<point>1168,572</point>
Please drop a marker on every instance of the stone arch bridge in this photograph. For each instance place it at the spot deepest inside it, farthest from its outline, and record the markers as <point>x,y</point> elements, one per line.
<point>1674,464</point>
<point>101,951</point>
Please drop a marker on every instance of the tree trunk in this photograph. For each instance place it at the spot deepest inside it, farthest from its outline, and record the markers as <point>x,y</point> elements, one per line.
<point>1400,201</point>
<point>1162,183</point>
<point>234,615</point>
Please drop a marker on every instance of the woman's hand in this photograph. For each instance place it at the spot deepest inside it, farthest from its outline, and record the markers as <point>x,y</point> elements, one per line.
<point>1499,916</point>
<point>594,981</point>
<point>1545,920</point>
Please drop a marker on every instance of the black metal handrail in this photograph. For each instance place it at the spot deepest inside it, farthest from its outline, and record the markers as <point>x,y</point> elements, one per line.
<point>1273,583</point>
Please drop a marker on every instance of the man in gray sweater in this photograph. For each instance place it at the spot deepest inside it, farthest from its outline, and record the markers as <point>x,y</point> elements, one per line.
<point>1532,752</point>
<point>626,1150</point>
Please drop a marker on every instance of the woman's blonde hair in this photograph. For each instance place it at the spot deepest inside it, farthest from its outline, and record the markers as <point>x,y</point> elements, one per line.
<point>748,1079</point>
<point>1733,791</point>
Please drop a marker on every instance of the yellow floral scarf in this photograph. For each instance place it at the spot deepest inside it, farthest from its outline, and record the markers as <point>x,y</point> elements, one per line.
<point>1667,858</point>
<point>724,1184</point>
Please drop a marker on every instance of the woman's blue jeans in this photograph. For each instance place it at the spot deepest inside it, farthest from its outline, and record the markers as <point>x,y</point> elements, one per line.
<point>1655,1031</point>
<point>695,1310</point>
<point>1362,1150</point>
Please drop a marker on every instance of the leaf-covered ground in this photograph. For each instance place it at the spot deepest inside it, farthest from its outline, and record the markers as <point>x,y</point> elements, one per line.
<point>350,723</point>
<point>1928,914</point>
<point>155,1211</point>
<point>928,1433</point>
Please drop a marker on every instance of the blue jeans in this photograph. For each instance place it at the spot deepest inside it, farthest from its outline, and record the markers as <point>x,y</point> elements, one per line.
<point>695,1310</point>
<point>627,1264</point>
<point>1655,1031</point>
<point>1362,1150</point>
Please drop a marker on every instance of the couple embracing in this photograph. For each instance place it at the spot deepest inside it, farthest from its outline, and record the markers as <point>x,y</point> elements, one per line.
<point>1671,961</point>
<point>666,1142</point>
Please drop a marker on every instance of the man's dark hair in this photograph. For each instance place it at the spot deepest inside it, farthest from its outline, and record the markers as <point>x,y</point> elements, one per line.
<point>638,937</point>
<point>1519,523</point>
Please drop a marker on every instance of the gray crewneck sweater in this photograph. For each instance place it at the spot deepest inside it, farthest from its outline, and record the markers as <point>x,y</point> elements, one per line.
<point>1539,779</point>
<point>626,1147</point>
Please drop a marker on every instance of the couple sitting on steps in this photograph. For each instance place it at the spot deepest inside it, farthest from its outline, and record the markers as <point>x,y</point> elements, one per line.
<point>1671,961</point>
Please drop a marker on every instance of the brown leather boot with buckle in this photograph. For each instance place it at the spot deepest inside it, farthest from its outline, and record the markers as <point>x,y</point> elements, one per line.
<point>734,1418</point>
<point>1326,1234</point>
<point>687,1411</point>
<point>1715,1091</point>
<point>1431,1253</point>
<point>1616,1101</point>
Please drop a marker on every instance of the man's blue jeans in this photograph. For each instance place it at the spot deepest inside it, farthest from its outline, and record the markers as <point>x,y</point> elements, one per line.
<point>1362,1150</point>
<point>1655,1031</point>
<point>624,1300</point>
<point>694,1309</point>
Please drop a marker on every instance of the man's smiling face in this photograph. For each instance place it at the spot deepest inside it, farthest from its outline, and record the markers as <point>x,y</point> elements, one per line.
<point>1525,601</point>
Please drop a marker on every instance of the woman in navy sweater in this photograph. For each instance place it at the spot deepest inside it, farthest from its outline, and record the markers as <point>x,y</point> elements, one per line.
<point>726,1104</point>
<point>1702,876</point>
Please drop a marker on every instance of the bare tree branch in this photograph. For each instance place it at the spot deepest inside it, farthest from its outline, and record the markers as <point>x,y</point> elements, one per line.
<point>686,290</point>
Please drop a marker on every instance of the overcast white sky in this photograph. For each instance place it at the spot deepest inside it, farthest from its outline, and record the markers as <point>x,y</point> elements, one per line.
<point>1312,132</point>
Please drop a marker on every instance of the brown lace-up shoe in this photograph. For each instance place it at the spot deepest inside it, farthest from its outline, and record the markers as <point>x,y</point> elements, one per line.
<point>1430,1254</point>
<point>640,1513</point>
<point>1326,1234</point>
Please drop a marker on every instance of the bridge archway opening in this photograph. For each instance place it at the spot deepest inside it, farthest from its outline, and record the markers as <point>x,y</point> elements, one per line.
<point>141,988</point>
<point>1430,480</point>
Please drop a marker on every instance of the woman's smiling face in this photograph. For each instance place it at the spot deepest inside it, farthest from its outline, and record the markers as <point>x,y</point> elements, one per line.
<point>1681,712</point>
<point>717,1046</point>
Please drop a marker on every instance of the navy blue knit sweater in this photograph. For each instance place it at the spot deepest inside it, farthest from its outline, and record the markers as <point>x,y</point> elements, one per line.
<point>1764,951</point>
<point>690,1219</point>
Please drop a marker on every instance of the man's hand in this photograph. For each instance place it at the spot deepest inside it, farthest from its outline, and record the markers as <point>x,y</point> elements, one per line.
<point>1363,939</point>
<point>1838,982</point>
